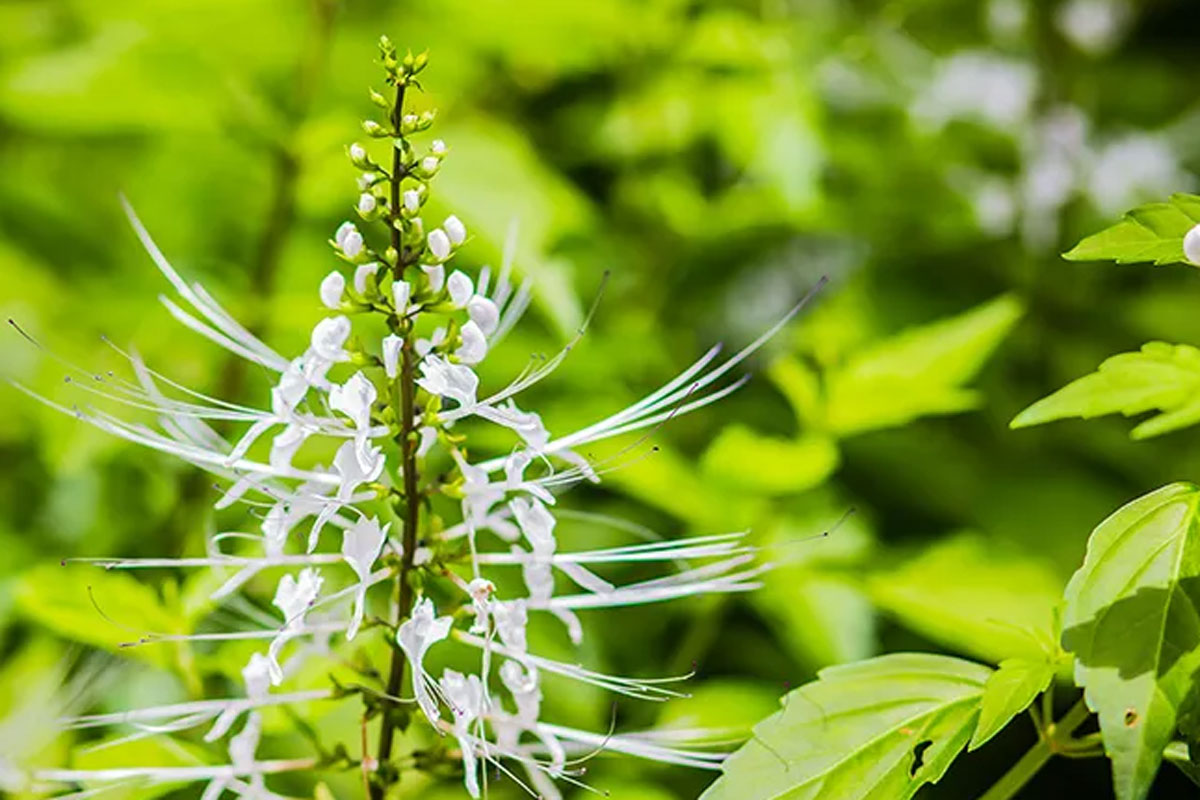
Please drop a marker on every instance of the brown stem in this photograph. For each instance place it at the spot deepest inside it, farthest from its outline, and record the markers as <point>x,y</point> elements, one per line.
<point>406,389</point>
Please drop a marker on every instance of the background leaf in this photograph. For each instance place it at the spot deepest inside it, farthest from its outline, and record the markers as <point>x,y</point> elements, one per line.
<point>972,596</point>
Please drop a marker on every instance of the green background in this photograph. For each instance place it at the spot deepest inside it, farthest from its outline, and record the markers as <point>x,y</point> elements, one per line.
<point>715,158</point>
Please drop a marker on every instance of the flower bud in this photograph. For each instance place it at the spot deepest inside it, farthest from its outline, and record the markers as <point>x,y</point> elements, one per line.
<point>366,203</point>
<point>332,288</point>
<point>401,294</point>
<point>437,147</point>
<point>412,201</point>
<point>391,355</point>
<point>364,273</point>
<point>460,288</point>
<point>374,129</point>
<point>349,240</point>
<point>379,100</point>
<point>1191,246</point>
<point>358,155</point>
<point>429,165</point>
<point>455,230</point>
<point>439,244</point>
<point>367,180</point>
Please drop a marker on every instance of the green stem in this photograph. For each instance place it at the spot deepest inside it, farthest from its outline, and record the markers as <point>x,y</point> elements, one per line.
<point>1049,743</point>
<point>405,392</point>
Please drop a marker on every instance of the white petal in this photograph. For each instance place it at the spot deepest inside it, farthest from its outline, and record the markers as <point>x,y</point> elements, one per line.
<point>483,312</point>
<point>460,288</point>
<point>439,244</point>
<point>474,344</point>
<point>455,230</point>
<point>436,274</point>
<point>363,274</point>
<point>1191,245</point>
<point>391,355</point>
<point>331,289</point>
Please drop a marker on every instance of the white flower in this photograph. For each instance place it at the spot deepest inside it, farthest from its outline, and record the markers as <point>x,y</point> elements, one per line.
<point>460,288</point>
<point>1191,245</point>
<point>331,290</point>
<point>362,274</point>
<point>401,294</point>
<point>483,312</point>
<point>455,230</point>
<point>474,344</point>
<point>293,597</point>
<point>424,346</point>
<point>464,694</point>
<point>348,239</point>
<point>430,164</point>
<point>439,244</point>
<point>357,153</point>
<point>328,337</point>
<point>366,203</point>
<point>391,355</point>
<point>361,545</point>
<point>355,398</point>
<point>436,274</point>
<point>437,147</point>
<point>455,381</point>
<point>416,635</point>
<point>412,201</point>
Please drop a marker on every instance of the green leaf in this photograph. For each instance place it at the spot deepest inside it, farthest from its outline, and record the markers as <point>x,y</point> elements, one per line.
<point>1160,377</point>
<point>972,596</point>
<point>1132,621</point>
<point>751,462</point>
<point>878,728</point>
<point>99,608</point>
<point>1009,691</point>
<point>1150,233</point>
<point>919,372</point>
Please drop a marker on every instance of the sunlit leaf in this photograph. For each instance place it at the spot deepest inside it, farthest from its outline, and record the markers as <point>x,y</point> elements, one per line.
<point>1159,377</point>
<point>1132,620</point>
<point>972,596</point>
<point>918,372</point>
<point>1009,691</point>
<point>878,728</point>
<point>1151,233</point>
<point>743,459</point>
<point>100,608</point>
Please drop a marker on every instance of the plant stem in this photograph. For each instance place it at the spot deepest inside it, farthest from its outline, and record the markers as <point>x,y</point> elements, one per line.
<point>406,391</point>
<point>1049,743</point>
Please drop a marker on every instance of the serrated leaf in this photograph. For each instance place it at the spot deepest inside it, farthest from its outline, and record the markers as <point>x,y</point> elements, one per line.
<point>748,461</point>
<point>1132,621</point>
<point>918,372</point>
<point>1149,234</point>
<point>972,596</point>
<point>1160,377</point>
<point>1009,691</point>
<point>877,728</point>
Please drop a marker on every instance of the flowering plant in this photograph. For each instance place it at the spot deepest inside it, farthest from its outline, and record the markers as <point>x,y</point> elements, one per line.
<point>405,505</point>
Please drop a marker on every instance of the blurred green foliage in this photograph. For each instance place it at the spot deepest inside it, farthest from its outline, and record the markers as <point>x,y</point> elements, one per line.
<point>932,157</point>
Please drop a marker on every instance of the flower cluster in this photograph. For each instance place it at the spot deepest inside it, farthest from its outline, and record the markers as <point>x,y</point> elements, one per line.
<point>387,407</point>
